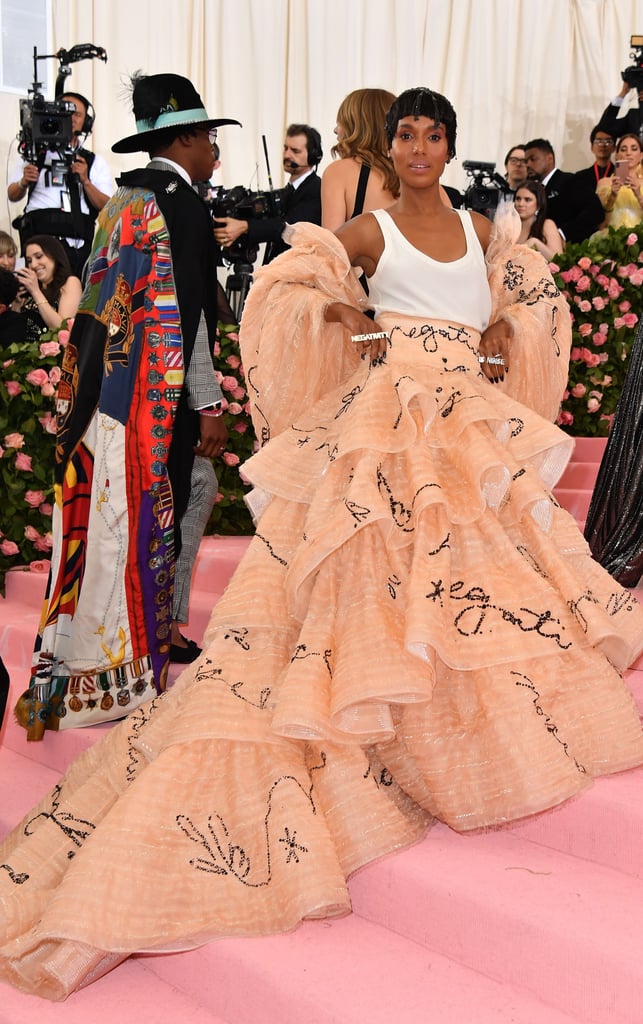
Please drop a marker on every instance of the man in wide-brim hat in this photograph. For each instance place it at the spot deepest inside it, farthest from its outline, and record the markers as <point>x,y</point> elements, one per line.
<point>138,397</point>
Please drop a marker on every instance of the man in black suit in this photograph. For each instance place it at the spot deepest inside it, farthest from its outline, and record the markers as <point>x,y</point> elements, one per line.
<point>572,203</point>
<point>301,199</point>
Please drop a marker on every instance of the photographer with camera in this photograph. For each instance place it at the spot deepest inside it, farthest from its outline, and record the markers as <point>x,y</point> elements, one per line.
<point>66,193</point>
<point>301,197</point>
<point>624,115</point>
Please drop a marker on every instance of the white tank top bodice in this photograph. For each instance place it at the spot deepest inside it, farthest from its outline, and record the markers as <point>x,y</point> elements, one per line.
<point>407,281</point>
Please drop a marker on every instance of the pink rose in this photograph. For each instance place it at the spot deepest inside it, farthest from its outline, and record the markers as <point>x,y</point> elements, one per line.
<point>229,383</point>
<point>34,498</point>
<point>631,239</point>
<point>37,377</point>
<point>219,498</point>
<point>233,361</point>
<point>584,263</point>
<point>618,322</point>
<point>234,408</point>
<point>637,278</point>
<point>216,349</point>
<point>624,306</point>
<point>9,548</point>
<point>598,302</point>
<point>45,509</point>
<point>47,390</point>
<point>230,459</point>
<point>14,440</point>
<point>233,336</point>
<point>13,388</point>
<point>603,280</point>
<point>565,419</point>
<point>45,543</point>
<point>630,319</point>
<point>42,565</point>
<point>63,338</point>
<point>7,363</point>
<point>1,454</point>
<point>49,348</point>
<point>31,533</point>
<point>238,393</point>
<point>606,381</point>
<point>593,405</point>
<point>48,423</point>
<point>593,359</point>
<point>574,274</point>
<point>585,306</point>
<point>240,428</point>
<point>615,289</point>
<point>55,374</point>
<point>23,462</point>
<point>598,338</point>
<point>585,329</point>
<point>583,283</point>
<point>578,390</point>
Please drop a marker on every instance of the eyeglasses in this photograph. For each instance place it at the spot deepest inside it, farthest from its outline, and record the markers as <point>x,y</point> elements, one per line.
<point>603,142</point>
<point>516,160</point>
<point>212,135</point>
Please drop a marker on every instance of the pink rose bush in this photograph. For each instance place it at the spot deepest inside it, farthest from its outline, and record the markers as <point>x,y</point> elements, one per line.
<point>230,515</point>
<point>28,379</point>
<point>601,279</point>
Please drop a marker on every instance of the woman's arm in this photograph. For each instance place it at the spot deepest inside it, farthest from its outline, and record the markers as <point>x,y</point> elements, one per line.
<point>68,303</point>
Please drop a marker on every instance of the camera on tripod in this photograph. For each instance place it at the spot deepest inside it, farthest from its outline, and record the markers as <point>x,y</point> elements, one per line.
<point>633,76</point>
<point>46,125</point>
<point>242,204</point>
<point>486,187</point>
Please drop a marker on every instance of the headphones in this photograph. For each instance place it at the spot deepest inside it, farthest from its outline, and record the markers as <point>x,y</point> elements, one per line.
<point>90,113</point>
<point>313,146</point>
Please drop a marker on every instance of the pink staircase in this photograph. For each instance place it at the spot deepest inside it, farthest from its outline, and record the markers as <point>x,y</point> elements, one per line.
<point>539,923</point>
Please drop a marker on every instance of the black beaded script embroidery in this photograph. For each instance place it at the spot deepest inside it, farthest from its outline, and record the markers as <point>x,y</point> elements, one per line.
<point>221,856</point>
<point>524,681</point>
<point>76,829</point>
<point>18,878</point>
<point>479,613</point>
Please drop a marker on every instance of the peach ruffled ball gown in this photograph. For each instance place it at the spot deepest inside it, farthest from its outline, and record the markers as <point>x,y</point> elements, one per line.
<point>416,631</point>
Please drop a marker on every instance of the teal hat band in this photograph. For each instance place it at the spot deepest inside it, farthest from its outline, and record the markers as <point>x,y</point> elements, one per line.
<point>169,118</point>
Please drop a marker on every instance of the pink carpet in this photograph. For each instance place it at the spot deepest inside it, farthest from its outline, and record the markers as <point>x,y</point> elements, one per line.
<point>540,923</point>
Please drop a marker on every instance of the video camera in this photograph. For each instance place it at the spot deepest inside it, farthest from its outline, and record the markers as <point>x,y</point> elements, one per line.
<point>241,203</point>
<point>486,187</point>
<point>46,125</point>
<point>633,75</point>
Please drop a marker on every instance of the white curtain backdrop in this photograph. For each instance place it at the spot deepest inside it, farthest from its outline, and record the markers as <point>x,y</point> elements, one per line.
<point>514,69</point>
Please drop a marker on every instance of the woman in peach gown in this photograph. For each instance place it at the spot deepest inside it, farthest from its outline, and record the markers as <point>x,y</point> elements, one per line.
<point>417,631</point>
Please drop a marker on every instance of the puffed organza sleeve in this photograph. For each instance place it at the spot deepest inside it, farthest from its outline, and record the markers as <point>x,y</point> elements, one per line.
<point>524,293</point>
<point>291,355</point>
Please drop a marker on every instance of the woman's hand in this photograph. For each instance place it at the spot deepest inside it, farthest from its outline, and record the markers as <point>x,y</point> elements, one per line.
<point>360,327</point>
<point>29,281</point>
<point>495,344</point>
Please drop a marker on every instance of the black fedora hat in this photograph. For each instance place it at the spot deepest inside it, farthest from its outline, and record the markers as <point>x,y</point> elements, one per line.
<point>164,101</point>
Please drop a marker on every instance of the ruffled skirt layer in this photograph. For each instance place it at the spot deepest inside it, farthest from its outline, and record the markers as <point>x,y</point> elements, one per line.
<point>417,631</point>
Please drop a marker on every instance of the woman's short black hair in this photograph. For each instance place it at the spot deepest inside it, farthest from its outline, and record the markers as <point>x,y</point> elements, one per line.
<point>423,102</point>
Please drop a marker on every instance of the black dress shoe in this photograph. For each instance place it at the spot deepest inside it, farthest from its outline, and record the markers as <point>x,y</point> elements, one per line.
<point>184,655</point>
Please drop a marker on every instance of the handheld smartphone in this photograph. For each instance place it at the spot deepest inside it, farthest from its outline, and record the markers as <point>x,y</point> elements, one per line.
<point>622,169</point>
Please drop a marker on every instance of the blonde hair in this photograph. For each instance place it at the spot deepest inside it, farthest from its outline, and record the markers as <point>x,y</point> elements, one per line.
<point>7,244</point>
<point>362,115</point>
